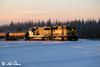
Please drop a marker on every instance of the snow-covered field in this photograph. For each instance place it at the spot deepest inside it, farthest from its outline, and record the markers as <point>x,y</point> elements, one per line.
<point>82,53</point>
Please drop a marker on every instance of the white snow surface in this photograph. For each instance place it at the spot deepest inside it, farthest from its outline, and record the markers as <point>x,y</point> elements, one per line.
<point>82,53</point>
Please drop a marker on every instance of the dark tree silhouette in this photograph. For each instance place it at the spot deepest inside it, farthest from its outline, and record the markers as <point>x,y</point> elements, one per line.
<point>89,29</point>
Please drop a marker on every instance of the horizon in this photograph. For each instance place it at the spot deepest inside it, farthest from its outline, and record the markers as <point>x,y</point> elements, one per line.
<point>24,10</point>
<point>52,21</point>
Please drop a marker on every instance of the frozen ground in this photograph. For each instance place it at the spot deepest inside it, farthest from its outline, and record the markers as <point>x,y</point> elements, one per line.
<point>82,53</point>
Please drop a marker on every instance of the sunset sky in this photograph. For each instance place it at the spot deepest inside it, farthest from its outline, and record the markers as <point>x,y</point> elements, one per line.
<point>23,10</point>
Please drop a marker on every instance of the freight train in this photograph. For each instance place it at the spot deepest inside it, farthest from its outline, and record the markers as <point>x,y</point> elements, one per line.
<point>53,33</point>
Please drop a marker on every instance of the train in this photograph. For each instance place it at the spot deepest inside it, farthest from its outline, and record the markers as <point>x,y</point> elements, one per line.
<point>45,33</point>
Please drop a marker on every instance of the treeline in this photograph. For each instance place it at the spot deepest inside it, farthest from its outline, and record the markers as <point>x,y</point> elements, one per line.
<point>89,29</point>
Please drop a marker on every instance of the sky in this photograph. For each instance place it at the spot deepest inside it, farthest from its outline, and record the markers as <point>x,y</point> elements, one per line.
<point>24,10</point>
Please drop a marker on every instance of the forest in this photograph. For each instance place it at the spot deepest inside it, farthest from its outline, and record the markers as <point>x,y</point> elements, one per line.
<point>87,29</point>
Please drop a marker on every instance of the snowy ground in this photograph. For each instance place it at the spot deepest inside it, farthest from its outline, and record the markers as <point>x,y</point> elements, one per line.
<point>82,53</point>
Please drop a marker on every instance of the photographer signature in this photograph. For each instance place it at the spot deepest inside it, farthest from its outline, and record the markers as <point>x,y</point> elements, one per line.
<point>15,63</point>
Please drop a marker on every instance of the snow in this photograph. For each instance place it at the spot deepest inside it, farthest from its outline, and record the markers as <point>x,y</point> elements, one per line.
<point>82,53</point>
